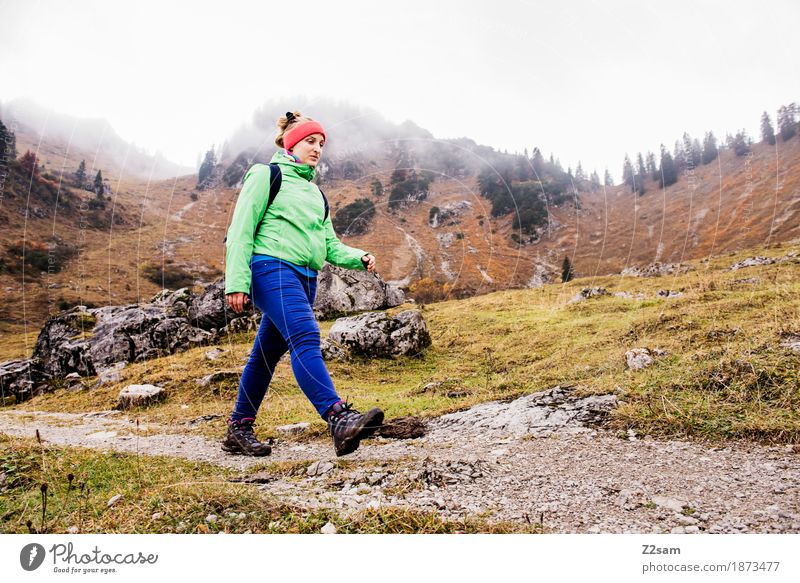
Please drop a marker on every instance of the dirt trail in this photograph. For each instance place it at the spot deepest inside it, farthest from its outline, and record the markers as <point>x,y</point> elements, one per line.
<point>543,465</point>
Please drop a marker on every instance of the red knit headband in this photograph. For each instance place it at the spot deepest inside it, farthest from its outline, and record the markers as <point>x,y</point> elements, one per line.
<point>300,131</point>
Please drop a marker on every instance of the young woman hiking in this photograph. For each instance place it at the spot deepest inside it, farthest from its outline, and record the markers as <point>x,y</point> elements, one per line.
<point>274,263</point>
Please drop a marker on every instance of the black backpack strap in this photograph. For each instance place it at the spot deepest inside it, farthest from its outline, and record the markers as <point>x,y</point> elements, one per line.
<point>275,179</point>
<point>327,208</point>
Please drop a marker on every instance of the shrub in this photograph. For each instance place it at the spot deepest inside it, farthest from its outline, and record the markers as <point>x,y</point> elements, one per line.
<point>354,218</point>
<point>167,275</point>
<point>427,290</point>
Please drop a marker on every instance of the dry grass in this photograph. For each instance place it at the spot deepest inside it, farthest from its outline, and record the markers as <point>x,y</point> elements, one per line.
<point>516,342</point>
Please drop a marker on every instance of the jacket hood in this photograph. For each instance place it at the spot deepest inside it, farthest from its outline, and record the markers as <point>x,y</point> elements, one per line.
<point>288,164</point>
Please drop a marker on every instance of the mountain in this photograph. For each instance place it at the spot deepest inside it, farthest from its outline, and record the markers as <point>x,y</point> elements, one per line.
<point>62,141</point>
<point>444,218</point>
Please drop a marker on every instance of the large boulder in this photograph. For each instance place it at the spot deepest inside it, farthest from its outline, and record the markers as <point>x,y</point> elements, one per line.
<point>210,309</point>
<point>18,378</point>
<point>85,340</point>
<point>375,334</point>
<point>345,291</point>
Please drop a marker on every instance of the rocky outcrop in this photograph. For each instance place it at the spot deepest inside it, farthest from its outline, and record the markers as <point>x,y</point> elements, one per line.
<point>375,334</point>
<point>639,358</point>
<point>345,291</point>
<point>449,214</point>
<point>656,269</point>
<point>140,396</point>
<point>18,378</point>
<point>588,292</point>
<point>85,340</point>
<point>210,310</point>
<point>555,410</point>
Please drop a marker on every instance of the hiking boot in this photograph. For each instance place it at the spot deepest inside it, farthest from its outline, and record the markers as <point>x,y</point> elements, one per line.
<point>348,427</point>
<point>242,440</point>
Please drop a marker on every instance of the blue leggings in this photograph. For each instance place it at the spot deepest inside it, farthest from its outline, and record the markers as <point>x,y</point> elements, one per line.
<point>284,298</point>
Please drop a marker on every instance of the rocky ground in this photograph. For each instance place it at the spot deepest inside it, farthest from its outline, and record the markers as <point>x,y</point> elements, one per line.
<point>542,458</point>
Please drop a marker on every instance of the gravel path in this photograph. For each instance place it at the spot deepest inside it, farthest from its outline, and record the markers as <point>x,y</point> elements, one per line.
<point>539,458</point>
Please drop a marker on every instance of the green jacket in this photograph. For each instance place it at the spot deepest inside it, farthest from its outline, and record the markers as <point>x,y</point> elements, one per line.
<point>292,228</point>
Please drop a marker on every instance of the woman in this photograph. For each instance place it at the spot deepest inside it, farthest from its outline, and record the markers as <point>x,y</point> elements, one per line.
<point>275,264</point>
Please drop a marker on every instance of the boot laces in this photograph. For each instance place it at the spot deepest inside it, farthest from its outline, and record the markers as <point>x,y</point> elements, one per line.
<point>245,430</point>
<point>347,412</point>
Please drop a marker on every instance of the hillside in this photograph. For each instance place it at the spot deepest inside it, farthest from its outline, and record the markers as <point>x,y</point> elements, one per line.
<point>168,226</point>
<point>703,438</point>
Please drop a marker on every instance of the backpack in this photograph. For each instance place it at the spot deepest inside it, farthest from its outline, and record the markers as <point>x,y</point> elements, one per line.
<point>275,180</point>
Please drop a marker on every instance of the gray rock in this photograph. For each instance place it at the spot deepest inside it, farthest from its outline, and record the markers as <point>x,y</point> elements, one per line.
<point>220,377</point>
<point>556,410</point>
<point>668,293</point>
<point>320,467</point>
<point>140,396</point>
<point>19,377</point>
<point>293,429</point>
<point>752,261</point>
<point>656,269</point>
<point>214,354</point>
<point>114,500</point>
<point>638,358</point>
<point>345,291</point>
<point>329,528</point>
<point>449,213</point>
<point>588,292</point>
<point>375,334</point>
<point>111,374</point>
<point>332,350</point>
<point>247,324</point>
<point>792,342</point>
<point>83,341</point>
<point>210,309</point>
<point>669,503</point>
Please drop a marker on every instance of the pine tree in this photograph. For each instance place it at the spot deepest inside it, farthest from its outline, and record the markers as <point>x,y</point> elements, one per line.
<point>692,152</point>
<point>668,174</point>
<point>710,151</point>
<point>538,161</point>
<point>678,157</point>
<point>3,145</point>
<point>30,165</point>
<point>741,143</point>
<point>11,145</point>
<point>640,169</point>
<point>787,121</point>
<point>207,167</point>
<point>652,169</point>
<point>80,174</point>
<point>594,178</point>
<point>627,172</point>
<point>567,273</point>
<point>98,184</point>
<point>607,180</point>
<point>579,173</point>
<point>767,131</point>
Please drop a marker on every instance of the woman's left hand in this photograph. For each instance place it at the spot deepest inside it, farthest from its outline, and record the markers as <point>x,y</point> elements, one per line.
<point>369,262</point>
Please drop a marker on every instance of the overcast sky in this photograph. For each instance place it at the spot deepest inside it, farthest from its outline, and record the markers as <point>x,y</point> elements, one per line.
<point>586,80</point>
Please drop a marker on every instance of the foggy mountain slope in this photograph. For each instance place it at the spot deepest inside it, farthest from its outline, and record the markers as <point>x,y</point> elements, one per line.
<point>65,140</point>
<point>171,233</point>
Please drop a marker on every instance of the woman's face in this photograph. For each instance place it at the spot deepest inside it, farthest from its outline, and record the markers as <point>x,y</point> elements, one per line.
<point>309,149</point>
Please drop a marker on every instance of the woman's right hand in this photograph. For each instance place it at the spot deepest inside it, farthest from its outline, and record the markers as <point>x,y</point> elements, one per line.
<point>237,301</point>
